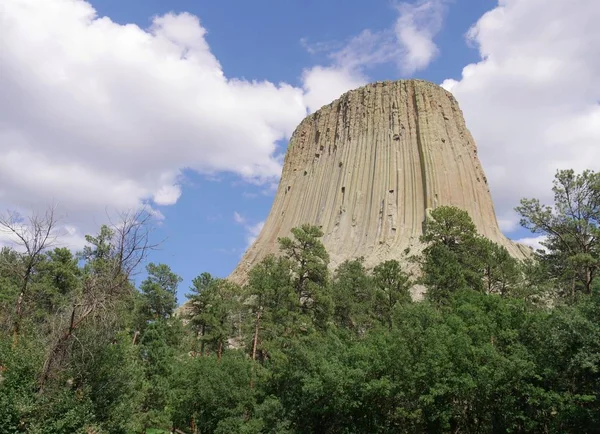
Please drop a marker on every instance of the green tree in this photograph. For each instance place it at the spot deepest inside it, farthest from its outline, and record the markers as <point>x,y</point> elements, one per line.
<point>34,235</point>
<point>105,295</point>
<point>449,226</point>
<point>501,272</point>
<point>214,393</point>
<point>159,291</point>
<point>393,286</point>
<point>353,296</point>
<point>200,299</point>
<point>452,258</point>
<point>214,304</point>
<point>571,228</point>
<point>10,261</point>
<point>158,349</point>
<point>57,277</point>
<point>309,261</point>
<point>273,304</point>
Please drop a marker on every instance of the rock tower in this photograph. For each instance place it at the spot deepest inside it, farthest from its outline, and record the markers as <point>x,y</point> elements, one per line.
<point>368,167</point>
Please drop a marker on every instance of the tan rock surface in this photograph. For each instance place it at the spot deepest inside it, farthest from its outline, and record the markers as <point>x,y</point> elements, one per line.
<point>368,166</point>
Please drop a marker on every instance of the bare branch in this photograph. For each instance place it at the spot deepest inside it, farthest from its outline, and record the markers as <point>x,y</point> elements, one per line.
<point>34,236</point>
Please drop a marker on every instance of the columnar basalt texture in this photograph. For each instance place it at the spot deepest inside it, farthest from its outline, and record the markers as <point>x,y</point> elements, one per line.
<point>367,168</point>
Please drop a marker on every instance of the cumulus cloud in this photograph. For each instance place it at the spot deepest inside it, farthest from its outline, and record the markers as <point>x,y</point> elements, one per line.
<point>409,44</point>
<point>98,115</point>
<point>531,102</point>
<point>322,85</point>
<point>415,29</point>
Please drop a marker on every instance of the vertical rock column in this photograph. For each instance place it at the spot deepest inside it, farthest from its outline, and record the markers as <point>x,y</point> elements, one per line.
<point>368,166</point>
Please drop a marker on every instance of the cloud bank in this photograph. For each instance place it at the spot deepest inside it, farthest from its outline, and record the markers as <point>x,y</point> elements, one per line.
<point>531,102</point>
<point>100,115</point>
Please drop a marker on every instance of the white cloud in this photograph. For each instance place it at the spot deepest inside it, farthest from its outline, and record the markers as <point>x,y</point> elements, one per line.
<point>98,115</point>
<point>534,242</point>
<point>252,230</point>
<point>238,218</point>
<point>417,25</point>
<point>61,235</point>
<point>71,238</point>
<point>532,101</point>
<point>409,44</point>
<point>322,85</point>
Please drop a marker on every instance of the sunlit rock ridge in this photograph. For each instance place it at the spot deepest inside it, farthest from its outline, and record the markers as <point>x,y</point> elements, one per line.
<point>368,167</point>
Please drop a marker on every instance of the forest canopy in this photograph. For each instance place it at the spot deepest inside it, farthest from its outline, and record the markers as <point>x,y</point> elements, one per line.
<point>496,345</point>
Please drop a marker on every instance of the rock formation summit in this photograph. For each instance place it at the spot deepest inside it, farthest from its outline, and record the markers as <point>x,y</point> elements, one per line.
<point>367,168</point>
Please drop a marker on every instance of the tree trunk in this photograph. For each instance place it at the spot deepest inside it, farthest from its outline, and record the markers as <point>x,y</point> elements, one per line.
<point>135,335</point>
<point>255,341</point>
<point>588,280</point>
<point>391,309</point>
<point>61,345</point>
<point>202,341</point>
<point>19,308</point>
<point>17,322</point>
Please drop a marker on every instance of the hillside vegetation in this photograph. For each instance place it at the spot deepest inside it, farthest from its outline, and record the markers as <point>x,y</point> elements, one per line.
<point>497,345</point>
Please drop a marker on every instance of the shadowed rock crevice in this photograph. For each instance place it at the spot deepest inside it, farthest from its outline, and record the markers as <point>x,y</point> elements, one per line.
<point>368,167</point>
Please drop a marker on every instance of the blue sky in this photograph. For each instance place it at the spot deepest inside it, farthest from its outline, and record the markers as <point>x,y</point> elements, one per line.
<point>261,39</point>
<point>257,41</point>
<point>188,105</point>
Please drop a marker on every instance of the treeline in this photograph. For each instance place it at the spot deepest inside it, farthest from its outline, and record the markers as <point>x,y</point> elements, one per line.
<point>497,345</point>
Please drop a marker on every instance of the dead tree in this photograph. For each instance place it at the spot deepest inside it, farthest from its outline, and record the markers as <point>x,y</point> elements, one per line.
<point>32,236</point>
<point>111,261</point>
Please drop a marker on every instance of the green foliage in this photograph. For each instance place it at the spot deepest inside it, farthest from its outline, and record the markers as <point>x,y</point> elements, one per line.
<point>501,272</point>
<point>157,352</point>
<point>10,266</point>
<point>214,392</point>
<point>57,277</point>
<point>159,291</point>
<point>308,261</point>
<point>273,306</point>
<point>18,369</point>
<point>571,228</point>
<point>392,285</point>
<point>213,303</point>
<point>457,258</point>
<point>297,351</point>
<point>452,260</point>
<point>449,226</point>
<point>477,366</point>
<point>353,297</point>
<point>100,249</point>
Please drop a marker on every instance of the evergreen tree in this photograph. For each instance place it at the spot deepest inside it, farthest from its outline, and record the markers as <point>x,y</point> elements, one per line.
<point>214,304</point>
<point>393,286</point>
<point>571,228</point>
<point>353,296</point>
<point>274,306</point>
<point>159,291</point>
<point>452,258</point>
<point>309,261</point>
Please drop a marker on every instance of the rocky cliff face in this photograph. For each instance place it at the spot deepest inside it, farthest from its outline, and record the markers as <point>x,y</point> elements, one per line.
<point>368,166</point>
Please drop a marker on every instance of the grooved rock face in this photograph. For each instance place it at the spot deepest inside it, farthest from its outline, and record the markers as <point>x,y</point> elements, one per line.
<point>367,168</point>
